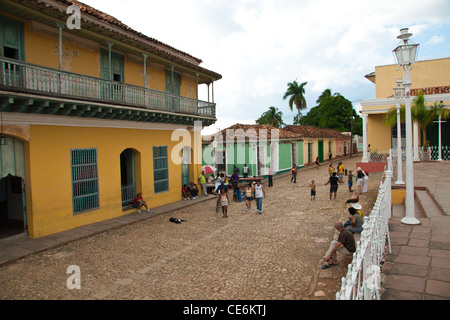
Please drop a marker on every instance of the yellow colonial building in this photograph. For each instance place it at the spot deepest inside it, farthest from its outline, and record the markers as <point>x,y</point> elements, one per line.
<point>430,76</point>
<point>92,112</point>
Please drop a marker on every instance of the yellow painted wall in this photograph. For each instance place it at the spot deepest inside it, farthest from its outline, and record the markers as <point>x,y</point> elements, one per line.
<point>49,174</point>
<point>425,74</point>
<point>398,195</point>
<point>379,134</point>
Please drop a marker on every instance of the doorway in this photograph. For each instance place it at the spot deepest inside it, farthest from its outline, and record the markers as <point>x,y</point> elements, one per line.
<point>128,176</point>
<point>12,209</point>
<point>13,213</point>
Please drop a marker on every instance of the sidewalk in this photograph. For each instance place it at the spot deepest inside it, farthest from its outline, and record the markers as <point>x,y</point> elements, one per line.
<point>20,246</point>
<point>418,267</point>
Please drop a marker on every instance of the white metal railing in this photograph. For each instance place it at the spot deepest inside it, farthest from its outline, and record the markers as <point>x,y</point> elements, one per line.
<point>431,153</point>
<point>24,76</point>
<point>362,281</point>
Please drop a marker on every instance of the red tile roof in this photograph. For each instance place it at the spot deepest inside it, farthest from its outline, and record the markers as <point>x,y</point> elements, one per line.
<point>314,132</point>
<point>252,131</point>
<point>291,132</point>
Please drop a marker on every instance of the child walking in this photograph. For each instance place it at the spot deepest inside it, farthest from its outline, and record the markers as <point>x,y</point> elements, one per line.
<point>313,190</point>
<point>248,196</point>
<point>350,181</point>
<point>224,201</point>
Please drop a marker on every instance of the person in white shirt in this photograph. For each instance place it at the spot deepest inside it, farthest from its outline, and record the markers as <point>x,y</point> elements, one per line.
<point>245,171</point>
<point>259,193</point>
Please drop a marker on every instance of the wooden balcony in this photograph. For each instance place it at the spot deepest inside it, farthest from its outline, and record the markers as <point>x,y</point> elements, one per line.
<point>126,101</point>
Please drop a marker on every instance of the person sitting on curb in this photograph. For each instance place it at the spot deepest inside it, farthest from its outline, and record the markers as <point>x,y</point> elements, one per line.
<point>355,222</point>
<point>139,202</point>
<point>345,245</point>
<point>185,192</point>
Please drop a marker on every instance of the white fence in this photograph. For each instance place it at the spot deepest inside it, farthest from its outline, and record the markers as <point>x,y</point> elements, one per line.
<point>363,275</point>
<point>431,153</point>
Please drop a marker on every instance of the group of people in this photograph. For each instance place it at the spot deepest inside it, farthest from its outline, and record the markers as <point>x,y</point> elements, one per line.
<point>190,191</point>
<point>336,177</point>
<point>345,243</point>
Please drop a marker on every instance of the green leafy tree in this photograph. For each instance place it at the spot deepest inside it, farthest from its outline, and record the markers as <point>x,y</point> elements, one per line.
<point>334,112</point>
<point>295,92</point>
<point>273,117</point>
<point>326,94</point>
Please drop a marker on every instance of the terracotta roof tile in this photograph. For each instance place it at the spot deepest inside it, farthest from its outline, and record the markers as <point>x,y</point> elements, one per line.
<point>314,132</point>
<point>252,131</point>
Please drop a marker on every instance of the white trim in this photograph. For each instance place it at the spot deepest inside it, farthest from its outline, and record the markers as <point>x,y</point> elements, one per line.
<point>391,101</point>
<point>15,118</point>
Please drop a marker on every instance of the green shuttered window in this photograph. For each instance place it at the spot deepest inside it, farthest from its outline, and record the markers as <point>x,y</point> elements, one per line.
<point>84,180</point>
<point>160,169</point>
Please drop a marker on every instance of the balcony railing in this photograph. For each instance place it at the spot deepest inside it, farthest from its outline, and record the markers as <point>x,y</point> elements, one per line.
<point>22,76</point>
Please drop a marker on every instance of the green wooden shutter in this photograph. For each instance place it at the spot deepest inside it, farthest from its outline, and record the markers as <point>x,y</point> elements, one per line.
<point>12,37</point>
<point>160,169</point>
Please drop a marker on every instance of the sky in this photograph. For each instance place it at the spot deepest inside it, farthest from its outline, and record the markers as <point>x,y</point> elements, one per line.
<point>259,46</point>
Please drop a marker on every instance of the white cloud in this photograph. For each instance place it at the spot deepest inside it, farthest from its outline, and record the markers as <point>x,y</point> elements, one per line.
<point>260,45</point>
<point>436,40</point>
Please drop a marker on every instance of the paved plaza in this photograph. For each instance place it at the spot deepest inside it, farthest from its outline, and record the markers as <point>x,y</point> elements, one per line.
<point>272,256</point>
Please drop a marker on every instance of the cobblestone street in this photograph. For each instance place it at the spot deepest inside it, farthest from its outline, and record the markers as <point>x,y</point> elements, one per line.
<point>272,256</point>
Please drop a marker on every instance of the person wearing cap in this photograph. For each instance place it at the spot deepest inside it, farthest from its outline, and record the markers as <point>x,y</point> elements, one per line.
<point>358,208</point>
<point>345,245</point>
<point>355,222</point>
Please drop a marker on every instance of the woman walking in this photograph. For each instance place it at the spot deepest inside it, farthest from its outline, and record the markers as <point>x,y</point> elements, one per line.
<point>259,193</point>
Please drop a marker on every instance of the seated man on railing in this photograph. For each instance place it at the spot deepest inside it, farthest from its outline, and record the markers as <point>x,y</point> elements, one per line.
<point>345,245</point>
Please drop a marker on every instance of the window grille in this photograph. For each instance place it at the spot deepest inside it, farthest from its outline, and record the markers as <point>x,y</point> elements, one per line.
<point>160,169</point>
<point>85,193</point>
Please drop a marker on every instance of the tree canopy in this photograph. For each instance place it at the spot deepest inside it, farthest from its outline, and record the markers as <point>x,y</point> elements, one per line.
<point>333,112</point>
<point>273,117</point>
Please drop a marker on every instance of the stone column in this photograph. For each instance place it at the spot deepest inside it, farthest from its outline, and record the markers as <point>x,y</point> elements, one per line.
<point>365,157</point>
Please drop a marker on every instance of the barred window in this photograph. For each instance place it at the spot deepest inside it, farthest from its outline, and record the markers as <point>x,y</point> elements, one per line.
<point>160,169</point>
<point>85,193</point>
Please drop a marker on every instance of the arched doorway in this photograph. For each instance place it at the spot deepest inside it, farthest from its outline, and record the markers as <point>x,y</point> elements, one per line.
<point>128,176</point>
<point>13,213</point>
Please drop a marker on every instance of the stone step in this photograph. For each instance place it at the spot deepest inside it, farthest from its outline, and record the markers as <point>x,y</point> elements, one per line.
<point>398,210</point>
<point>428,205</point>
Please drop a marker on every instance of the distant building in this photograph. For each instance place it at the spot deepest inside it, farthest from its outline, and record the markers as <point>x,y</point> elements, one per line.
<point>262,147</point>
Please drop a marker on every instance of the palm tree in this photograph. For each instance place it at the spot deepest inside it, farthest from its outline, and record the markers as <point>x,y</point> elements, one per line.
<point>390,118</point>
<point>421,114</point>
<point>296,93</point>
<point>273,117</point>
<point>438,110</point>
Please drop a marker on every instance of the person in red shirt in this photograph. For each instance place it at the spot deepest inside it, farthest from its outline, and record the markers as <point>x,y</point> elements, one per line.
<point>139,202</point>
<point>294,173</point>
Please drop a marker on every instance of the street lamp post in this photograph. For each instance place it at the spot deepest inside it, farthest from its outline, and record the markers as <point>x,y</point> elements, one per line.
<point>399,92</point>
<point>405,54</point>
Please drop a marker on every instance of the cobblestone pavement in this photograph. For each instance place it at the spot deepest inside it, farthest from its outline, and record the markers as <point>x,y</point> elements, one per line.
<point>275,255</point>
